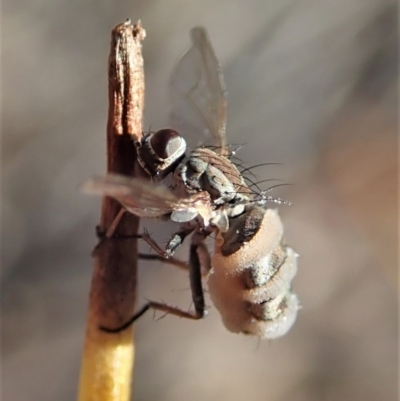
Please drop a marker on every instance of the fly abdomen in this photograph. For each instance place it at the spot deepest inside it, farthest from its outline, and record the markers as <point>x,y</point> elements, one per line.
<point>274,318</point>
<point>250,283</point>
<point>264,269</point>
<point>277,282</point>
<point>272,305</point>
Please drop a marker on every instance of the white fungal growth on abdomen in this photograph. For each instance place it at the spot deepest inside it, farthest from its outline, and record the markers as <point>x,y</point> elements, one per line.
<point>252,270</point>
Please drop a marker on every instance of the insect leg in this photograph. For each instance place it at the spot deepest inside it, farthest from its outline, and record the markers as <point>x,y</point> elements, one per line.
<point>175,241</point>
<point>197,296</point>
<point>172,261</point>
<point>155,306</point>
<point>204,258</point>
<point>195,285</point>
<point>109,234</point>
<point>110,230</point>
<point>195,265</point>
<point>198,257</point>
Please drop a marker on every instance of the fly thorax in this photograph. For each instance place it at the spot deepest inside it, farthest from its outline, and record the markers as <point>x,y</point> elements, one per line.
<point>216,174</point>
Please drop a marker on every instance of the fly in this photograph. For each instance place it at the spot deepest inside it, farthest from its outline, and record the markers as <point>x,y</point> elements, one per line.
<point>249,274</point>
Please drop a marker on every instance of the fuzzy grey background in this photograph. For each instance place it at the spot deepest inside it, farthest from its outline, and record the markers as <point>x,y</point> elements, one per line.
<point>312,84</point>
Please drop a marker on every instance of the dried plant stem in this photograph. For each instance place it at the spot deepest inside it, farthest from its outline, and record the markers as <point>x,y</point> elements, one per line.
<point>107,363</point>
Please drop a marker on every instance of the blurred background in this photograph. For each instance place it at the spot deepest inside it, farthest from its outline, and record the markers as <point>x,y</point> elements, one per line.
<point>311,84</point>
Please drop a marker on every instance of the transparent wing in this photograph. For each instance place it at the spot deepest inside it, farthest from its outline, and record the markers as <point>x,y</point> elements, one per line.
<point>198,94</point>
<point>144,198</point>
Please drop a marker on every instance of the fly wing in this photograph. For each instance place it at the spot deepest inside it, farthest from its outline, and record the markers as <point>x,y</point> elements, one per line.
<point>198,94</point>
<point>144,198</point>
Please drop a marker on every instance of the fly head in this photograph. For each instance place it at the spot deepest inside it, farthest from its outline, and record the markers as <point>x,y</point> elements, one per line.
<point>160,152</point>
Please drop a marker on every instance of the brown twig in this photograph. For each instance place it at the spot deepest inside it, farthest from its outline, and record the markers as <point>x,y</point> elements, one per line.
<point>107,363</point>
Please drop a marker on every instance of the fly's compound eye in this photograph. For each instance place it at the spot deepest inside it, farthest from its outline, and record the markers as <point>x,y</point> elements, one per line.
<point>167,144</point>
<point>158,153</point>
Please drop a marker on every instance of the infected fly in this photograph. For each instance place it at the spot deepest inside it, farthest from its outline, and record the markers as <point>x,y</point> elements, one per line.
<point>250,272</point>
